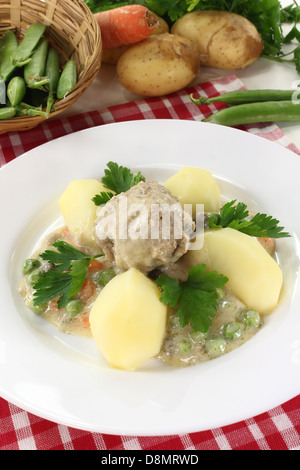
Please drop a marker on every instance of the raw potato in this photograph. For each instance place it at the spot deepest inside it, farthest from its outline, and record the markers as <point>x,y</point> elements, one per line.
<point>195,186</point>
<point>158,65</point>
<point>254,276</point>
<point>111,56</point>
<point>128,320</point>
<point>225,40</point>
<point>79,211</point>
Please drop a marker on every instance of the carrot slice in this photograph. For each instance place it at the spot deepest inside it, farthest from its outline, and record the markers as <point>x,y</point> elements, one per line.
<point>87,290</point>
<point>125,25</point>
<point>95,265</point>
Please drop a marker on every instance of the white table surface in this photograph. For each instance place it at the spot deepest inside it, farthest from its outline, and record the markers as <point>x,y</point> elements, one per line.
<point>106,91</point>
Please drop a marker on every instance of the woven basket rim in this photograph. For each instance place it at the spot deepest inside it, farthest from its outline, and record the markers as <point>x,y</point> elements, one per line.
<point>69,23</point>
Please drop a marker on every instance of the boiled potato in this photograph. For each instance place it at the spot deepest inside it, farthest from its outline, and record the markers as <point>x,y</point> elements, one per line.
<point>111,56</point>
<point>158,65</point>
<point>254,276</point>
<point>195,186</point>
<point>79,211</point>
<point>225,40</point>
<point>128,320</point>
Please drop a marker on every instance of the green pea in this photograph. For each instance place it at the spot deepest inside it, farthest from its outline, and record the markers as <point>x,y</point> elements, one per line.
<point>220,293</point>
<point>34,276</point>
<point>31,38</point>
<point>246,96</point>
<point>34,70</point>
<point>251,318</point>
<point>52,72</point>
<point>106,276</point>
<point>29,265</point>
<point>16,90</point>
<point>74,307</point>
<point>9,44</point>
<point>184,346</point>
<point>215,346</point>
<point>38,309</point>
<point>197,336</point>
<point>269,111</point>
<point>67,80</point>
<point>7,112</point>
<point>232,330</point>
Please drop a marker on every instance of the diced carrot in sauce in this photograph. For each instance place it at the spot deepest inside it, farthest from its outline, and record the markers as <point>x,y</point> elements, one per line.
<point>84,320</point>
<point>87,290</point>
<point>95,265</point>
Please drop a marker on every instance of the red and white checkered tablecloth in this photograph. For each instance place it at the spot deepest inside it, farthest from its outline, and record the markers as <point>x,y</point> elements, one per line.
<point>276,429</point>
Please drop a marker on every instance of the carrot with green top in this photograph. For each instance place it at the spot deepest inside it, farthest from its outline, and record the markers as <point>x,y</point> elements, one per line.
<point>125,25</point>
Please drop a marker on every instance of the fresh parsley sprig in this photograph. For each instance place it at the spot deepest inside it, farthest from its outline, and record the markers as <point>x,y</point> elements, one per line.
<point>66,276</point>
<point>196,298</point>
<point>236,216</point>
<point>117,179</point>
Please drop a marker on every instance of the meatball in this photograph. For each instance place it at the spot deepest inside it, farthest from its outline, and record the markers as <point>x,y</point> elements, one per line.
<point>144,227</point>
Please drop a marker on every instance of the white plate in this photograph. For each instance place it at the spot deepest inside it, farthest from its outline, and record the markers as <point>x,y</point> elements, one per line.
<point>63,378</point>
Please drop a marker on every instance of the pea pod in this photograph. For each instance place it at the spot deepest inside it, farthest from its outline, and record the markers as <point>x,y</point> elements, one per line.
<point>52,72</point>
<point>16,90</point>
<point>34,70</point>
<point>250,113</point>
<point>246,96</point>
<point>7,112</point>
<point>9,44</point>
<point>67,80</point>
<point>29,42</point>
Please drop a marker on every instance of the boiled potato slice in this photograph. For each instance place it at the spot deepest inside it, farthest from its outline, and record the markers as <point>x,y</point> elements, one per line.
<point>254,276</point>
<point>79,211</point>
<point>195,186</point>
<point>158,65</point>
<point>224,39</point>
<point>128,320</point>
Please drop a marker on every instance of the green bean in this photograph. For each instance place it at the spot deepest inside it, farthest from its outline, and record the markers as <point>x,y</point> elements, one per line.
<point>29,42</point>
<point>34,70</point>
<point>9,44</point>
<point>29,265</point>
<point>52,72</point>
<point>246,96</point>
<point>67,80</point>
<point>7,112</point>
<point>16,90</point>
<point>257,112</point>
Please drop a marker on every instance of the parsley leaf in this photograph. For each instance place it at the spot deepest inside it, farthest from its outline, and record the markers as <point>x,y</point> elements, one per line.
<point>102,198</point>
<point>117,179</point>
<point>65,278</point>
<point>235,216</point>
<point>196,298</point>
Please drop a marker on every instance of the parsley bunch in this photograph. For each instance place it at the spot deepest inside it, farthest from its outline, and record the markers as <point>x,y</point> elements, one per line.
<point>66,277</point>
<point>196,298</point>
<point>117,179</point>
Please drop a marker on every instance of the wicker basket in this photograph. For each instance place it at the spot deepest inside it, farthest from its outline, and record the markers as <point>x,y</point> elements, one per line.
<point>74,33</point>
